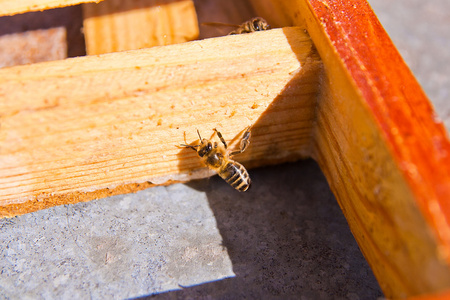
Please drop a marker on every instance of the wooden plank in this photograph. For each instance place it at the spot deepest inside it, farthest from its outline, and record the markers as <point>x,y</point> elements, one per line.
<point>445,295</point>
<point>72,130</point>
<point>13,7</point>
<point>116,25</point>
<point>383,151</point>
<point>33,46</point>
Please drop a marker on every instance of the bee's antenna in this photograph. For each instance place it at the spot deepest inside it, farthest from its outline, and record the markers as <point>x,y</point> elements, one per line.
<point>199,135</point>
<point>218,24</point>
<point>190,146</point>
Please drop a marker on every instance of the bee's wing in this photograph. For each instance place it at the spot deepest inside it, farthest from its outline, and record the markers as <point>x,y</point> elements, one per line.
<point>219,24</point>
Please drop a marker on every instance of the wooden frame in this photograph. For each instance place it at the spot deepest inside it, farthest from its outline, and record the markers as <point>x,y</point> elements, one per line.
<point>108,26</point>
<point>103,122</point>
<point>9,8</point>
<point>380,148</point>
<point>369,126</point>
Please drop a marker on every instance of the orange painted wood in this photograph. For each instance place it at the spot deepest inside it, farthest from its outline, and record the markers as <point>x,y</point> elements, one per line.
<point>380,145</point>
<point>418,141</point>
<point>438,296</point>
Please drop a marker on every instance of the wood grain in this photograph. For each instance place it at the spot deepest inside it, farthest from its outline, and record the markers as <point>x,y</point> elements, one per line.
<point>445,295</point>
<point>380,145</point>
<point>71,128</point>
<point>33,46</point>
<point>13,7</point>
<point>116,25</point>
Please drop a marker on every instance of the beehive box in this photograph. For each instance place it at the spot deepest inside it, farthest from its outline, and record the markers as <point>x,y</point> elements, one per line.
<point>328,88</point>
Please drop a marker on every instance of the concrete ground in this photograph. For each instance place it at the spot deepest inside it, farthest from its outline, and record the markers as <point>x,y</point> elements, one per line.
<point>284,239</point>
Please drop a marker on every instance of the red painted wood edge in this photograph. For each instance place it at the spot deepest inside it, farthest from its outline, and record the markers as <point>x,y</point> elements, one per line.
<point>439,296</point>
<point>417,139</point>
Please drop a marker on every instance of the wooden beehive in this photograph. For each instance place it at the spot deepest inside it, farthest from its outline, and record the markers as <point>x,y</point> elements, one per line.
<point>333,88</point>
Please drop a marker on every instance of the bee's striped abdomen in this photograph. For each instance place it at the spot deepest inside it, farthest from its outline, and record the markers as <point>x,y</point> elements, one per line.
<point>236,175</point>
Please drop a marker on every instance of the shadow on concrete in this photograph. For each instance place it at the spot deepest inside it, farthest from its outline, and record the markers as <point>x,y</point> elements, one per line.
<point>286,238</point>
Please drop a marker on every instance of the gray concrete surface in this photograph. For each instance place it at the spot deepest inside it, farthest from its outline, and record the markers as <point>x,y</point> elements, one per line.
<point>284,239</point>
<point>421,32</point>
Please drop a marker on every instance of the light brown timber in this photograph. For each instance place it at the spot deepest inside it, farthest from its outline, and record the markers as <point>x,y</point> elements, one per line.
<point>116,25</point>
<point>33,46</point>
<point>13,7</point>
<point>73,127</point>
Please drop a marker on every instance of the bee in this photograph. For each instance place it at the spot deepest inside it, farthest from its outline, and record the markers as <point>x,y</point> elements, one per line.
<point>252,25</point>
<point>218,158</point>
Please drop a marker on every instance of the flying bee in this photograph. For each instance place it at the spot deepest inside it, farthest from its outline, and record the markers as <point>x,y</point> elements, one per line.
<point>252,25</point>
<point>217,158</point>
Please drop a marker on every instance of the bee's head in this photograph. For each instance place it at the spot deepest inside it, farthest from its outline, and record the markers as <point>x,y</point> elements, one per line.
<point>259,24</point>
<point>204,148</point>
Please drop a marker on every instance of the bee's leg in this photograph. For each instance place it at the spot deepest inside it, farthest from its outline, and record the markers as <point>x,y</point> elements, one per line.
<point>245,141</point>
<point>221,138</point>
